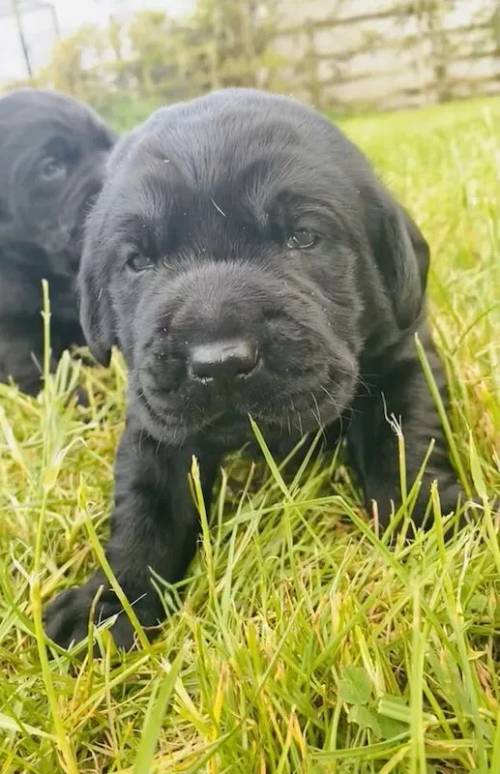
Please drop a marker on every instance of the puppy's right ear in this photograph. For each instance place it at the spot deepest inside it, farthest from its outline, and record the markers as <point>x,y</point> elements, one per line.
<point>96,310</point>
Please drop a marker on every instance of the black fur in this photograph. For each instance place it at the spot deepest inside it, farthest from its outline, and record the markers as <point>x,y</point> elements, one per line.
<point>52,155</point>
<point>250,218</point>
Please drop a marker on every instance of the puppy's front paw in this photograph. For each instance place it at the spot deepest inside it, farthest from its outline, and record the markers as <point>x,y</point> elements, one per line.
<point>67,617</point>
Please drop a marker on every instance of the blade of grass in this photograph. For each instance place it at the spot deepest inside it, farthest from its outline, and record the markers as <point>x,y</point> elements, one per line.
<point>63,741</point>
<point>155,713</point>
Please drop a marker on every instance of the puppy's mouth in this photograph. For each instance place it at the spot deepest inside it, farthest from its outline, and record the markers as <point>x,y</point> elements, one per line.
<point>292,417</point>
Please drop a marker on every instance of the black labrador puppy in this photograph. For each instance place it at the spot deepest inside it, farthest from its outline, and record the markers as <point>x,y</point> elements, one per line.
<point>52,155</point>
<point>247,261</point>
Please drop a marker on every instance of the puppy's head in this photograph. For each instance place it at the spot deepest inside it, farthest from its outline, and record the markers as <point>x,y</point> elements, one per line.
<point>52,155</point>
<point>244,257</point>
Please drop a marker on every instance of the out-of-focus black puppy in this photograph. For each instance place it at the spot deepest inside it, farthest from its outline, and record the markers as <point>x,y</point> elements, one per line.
<point>52,155</point>
<point>246,260</point>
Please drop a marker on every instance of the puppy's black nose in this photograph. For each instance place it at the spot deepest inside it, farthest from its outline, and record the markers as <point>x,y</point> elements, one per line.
<point>223,360</point>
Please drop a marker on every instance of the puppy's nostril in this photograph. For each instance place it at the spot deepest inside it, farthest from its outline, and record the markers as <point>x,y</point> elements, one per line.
<point>225,360</point>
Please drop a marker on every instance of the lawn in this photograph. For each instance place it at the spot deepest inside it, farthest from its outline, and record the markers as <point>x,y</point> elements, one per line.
<point>301,641</point>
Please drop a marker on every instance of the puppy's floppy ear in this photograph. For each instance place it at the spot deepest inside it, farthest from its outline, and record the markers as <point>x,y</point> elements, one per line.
<point>96,311</point>
<point>97,316</point>
<point>402,257</point>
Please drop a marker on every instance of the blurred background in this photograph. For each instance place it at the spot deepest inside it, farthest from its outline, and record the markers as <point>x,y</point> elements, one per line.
<point>126,57</point>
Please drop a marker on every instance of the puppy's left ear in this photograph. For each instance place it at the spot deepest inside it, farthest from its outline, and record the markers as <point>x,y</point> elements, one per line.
<point>402,257</point>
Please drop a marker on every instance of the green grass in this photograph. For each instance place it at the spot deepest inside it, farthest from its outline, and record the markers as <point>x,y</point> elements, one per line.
<point>300,641</point>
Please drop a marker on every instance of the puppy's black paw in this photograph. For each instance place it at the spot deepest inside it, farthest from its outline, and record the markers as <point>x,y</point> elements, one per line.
<point>67,617</point>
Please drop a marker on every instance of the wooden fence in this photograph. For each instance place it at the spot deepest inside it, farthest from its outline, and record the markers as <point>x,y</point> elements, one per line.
<point>393,56</point>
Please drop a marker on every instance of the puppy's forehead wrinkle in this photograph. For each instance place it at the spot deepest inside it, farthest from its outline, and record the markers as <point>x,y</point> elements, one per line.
<point>248,161</point>
<point>257,196</point>
<point>275,184</point>
<point>202,144</point>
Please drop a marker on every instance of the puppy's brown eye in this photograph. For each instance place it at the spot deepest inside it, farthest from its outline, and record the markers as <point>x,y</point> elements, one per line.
<point>51,170</point>
<point>301,239</point>
<point>138,262</point>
